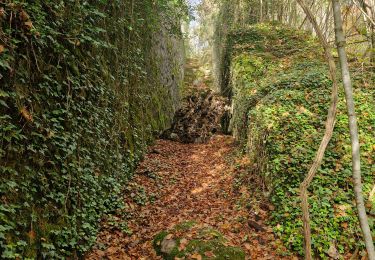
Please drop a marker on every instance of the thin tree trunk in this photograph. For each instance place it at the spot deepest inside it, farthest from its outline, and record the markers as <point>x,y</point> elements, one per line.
<point>356,164</point>
<point>305,19</point>
<point>266,10</point>
<point>330,123</point>
<point>327,22</point>
<point>370,27</point>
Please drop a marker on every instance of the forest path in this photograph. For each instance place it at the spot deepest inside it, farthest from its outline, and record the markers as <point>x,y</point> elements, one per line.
<point>199,186</point>
<point>184,183</point>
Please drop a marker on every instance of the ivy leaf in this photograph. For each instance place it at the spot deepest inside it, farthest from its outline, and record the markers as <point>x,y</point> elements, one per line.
<point>26,114</point>
<point>2,102</point>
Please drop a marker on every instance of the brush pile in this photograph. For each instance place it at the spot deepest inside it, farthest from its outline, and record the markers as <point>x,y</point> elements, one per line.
<point>201,115</point>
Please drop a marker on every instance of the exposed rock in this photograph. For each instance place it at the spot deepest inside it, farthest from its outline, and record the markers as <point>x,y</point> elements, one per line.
<point>195,243</point>
<point>167,246</point>
<point>201,115</point>
<point>333,252</point>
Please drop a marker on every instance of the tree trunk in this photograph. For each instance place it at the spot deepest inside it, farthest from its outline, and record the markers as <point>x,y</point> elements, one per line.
<point>306,18</point>
<point>327,21</point>
<point>370,27</point>
<point>340,42</point>
<point>330,123</point>
<point>280,11</point>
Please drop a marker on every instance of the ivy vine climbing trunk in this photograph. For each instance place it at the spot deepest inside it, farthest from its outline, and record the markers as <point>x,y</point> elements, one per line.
<point>330,124</point>
<point>353,128</point>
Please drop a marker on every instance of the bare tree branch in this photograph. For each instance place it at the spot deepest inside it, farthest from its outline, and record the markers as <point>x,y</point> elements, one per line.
<point>330,123</point>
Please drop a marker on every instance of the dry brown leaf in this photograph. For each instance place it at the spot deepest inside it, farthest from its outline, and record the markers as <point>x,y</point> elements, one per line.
<point>26,114</point>
<point>169,236</point>
<point>32,235</point>
<point>29,24</point>
<point>112,250</point>
<point>196,256</point>
<point>209,254</point>
<point>183,244</point>
<point>2,12</point>
<point>225,226</point>
<point>344,225</point>
<point>247,246</point>
<point>2,48</point>
<point>341,210</point>
<point>24,16</point>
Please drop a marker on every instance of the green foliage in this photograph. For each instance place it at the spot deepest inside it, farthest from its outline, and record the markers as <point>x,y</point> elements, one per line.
<point>281,94</point>
<point>82,93</point>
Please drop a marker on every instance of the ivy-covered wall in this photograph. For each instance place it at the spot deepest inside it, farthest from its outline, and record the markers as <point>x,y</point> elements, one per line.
<point>84,86</point>
<point>280,96</point>
<point>228,15</point>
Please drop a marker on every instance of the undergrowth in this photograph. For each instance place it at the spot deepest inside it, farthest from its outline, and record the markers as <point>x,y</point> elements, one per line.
<point>82,93</point>
<point>281,93</point>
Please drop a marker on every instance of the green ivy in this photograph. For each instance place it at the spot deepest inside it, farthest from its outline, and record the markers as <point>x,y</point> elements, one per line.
<point>281,94</point>
<point>81,95</point>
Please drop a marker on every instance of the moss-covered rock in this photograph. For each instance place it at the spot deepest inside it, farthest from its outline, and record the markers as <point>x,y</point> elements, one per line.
<point>205,242</point>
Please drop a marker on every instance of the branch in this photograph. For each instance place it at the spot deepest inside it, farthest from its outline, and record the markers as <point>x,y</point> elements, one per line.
<point>363,12</point>
<point>329,126</point>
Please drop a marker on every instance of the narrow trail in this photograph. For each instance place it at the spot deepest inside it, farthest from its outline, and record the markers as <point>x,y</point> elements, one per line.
<point>184,183</point>
<point>191,182</point>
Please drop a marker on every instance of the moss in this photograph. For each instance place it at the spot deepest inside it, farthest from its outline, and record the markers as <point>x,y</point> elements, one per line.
<point>211,233</point>
<point>220,251</point>
<point>157,241</point>
<point>204,240</point>
<point>185,226</point>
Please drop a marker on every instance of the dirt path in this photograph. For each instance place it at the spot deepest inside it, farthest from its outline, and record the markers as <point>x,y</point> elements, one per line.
<point>190,182</point>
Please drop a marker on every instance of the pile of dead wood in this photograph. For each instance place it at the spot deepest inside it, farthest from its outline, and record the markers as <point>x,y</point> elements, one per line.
<point>201,115</point>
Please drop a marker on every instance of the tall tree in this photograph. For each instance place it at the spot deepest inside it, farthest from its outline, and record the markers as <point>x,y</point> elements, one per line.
<point>356,164</point>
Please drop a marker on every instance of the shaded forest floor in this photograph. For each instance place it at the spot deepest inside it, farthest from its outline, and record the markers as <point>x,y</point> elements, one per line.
<point>203,186</point>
